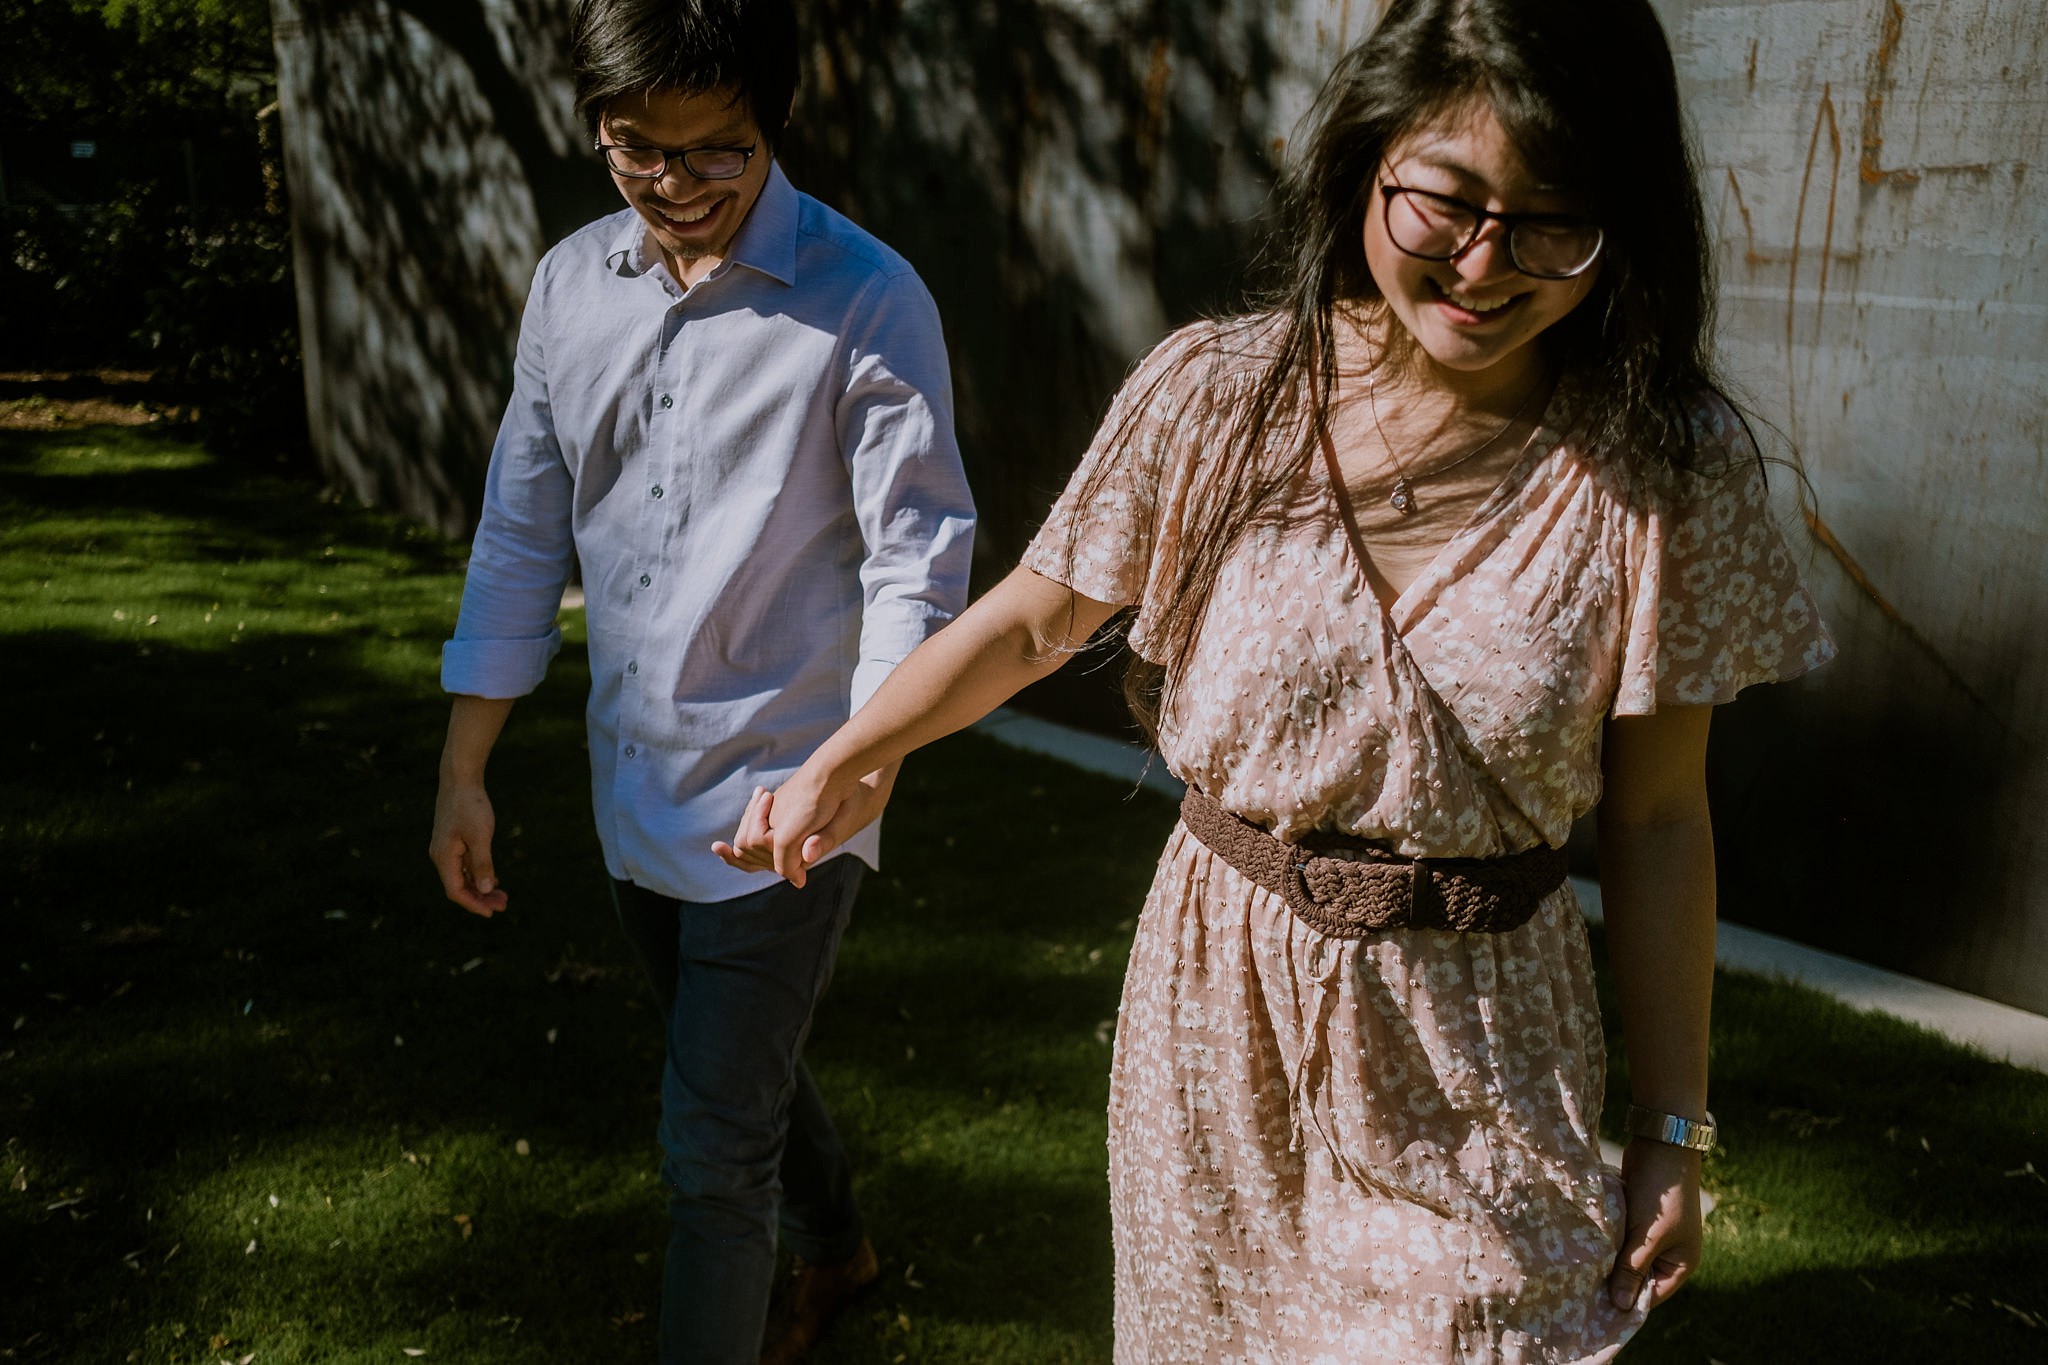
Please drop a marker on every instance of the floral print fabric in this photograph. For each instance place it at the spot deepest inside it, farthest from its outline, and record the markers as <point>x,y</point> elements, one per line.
<point>1384,1149</point>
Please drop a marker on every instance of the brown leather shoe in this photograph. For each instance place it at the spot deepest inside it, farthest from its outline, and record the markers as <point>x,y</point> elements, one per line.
<point>812,1297</point>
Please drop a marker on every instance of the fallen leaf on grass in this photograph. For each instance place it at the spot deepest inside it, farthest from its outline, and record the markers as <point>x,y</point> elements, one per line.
<point>576,973</point>
<point>129,935</point>
<point>462,1220</point>
<point>414,1350</point>
<point>523,1147</point>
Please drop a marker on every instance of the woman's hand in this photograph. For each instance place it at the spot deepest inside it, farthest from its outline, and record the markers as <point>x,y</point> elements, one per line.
<point>1022,629</point>
<point>1665,1233</point>
<point>790,829</point>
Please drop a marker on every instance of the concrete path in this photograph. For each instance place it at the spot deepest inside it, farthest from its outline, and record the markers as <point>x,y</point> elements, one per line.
<point>1999,1031</point>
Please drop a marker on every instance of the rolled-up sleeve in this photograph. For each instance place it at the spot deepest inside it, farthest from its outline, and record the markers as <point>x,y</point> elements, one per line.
<point>506,633</point>
<point>910,493</point>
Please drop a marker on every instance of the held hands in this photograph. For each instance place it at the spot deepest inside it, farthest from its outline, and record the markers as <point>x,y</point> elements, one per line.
<point>1665,1233</point>
<point>788,830</point>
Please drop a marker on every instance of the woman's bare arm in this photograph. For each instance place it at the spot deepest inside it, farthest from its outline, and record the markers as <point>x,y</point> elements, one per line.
<point>1021,630</point>
<point>1657,887</point>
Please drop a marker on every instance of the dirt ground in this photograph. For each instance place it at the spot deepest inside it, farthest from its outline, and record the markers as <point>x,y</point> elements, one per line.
<point>49,400</point>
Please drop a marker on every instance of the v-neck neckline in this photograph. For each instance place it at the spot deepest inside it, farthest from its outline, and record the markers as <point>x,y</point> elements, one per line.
<point>1543,438</point>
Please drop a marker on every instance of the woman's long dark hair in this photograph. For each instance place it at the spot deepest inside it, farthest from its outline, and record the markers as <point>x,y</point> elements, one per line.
<point>1587,92</point>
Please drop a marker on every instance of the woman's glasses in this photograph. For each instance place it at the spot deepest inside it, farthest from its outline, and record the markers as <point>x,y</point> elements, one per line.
<point>1438,227</point>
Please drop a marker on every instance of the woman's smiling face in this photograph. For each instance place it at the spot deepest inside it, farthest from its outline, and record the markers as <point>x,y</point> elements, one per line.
<point>1475,311</point>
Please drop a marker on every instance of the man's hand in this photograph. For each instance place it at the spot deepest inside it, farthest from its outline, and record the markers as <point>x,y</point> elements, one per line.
<point>805,826</point>
<point>463,819</point>
<point>461,847</point>
<point>1665,1235</point>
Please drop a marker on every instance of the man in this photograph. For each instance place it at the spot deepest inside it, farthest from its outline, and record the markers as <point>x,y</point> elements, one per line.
<point>732,407</point>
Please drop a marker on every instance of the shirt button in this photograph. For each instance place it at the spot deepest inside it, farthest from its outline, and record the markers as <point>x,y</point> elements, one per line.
<point>667,401</point>
<point>630,751</point>
<point>645,581</point>
<point>633,667</point>
<point>657,490</point>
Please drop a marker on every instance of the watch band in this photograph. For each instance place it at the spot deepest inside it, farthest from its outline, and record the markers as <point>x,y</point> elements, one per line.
<point>1691,1134</point>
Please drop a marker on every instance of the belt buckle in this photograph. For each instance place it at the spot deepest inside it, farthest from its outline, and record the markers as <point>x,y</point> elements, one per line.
<point>1425,898</point>
<point>1344,916</point>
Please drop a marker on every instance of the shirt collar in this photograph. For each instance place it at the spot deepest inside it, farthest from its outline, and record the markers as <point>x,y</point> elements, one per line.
<point>766,241</point>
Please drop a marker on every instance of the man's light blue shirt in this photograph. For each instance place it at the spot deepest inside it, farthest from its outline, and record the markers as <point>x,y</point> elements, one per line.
<point>760,480</point>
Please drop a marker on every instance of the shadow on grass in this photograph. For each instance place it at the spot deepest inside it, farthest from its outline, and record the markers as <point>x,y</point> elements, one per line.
<point>235,981</point>
<point>1902,1310</point>
<point>124,481</point>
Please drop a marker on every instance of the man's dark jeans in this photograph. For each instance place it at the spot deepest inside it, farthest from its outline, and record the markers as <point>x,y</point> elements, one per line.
<point>748,1143</point>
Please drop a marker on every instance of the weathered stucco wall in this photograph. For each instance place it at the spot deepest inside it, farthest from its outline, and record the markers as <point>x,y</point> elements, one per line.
<point>431,157</point>
<point>1874,170</point>
<point>1072,177</point>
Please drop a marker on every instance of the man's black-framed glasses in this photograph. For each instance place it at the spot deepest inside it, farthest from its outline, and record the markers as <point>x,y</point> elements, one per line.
<point>1438,227</point>
<point>651,163</point>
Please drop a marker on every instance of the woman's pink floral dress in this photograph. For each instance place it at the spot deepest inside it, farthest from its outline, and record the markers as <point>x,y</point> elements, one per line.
<point>1330,1151</point>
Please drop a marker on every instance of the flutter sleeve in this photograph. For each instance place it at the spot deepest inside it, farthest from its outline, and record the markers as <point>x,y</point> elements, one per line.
<point>1111,534</point>
<point>1717,603</point>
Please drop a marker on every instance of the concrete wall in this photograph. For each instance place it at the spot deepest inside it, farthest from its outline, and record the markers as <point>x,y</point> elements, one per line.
<point>1873,169</point>
<point>1072,177</point>
<point>431,157</point>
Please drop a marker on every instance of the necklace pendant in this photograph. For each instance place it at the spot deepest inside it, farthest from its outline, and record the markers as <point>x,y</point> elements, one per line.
<point>1403,497</point>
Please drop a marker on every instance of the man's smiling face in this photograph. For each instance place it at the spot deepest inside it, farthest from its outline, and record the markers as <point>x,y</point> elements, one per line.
<point>693,221</point>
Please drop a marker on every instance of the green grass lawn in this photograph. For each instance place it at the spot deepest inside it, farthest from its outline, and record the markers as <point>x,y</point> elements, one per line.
<point>262,1092</point>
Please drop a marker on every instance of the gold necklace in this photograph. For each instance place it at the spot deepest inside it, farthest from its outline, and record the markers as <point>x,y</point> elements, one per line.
<point>1403,496</point>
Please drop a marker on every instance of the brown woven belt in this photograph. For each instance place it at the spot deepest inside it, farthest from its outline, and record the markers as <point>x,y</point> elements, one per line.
<point>1347,887</point>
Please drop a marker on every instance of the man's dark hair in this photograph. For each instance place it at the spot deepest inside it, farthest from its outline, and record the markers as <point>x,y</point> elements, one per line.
<point>630,47</point>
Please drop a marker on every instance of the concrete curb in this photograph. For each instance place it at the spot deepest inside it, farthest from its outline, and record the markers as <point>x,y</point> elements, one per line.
<point>1999,1031</point>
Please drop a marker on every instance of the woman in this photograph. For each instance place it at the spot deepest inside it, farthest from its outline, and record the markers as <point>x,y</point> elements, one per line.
<point>1454,541</point>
